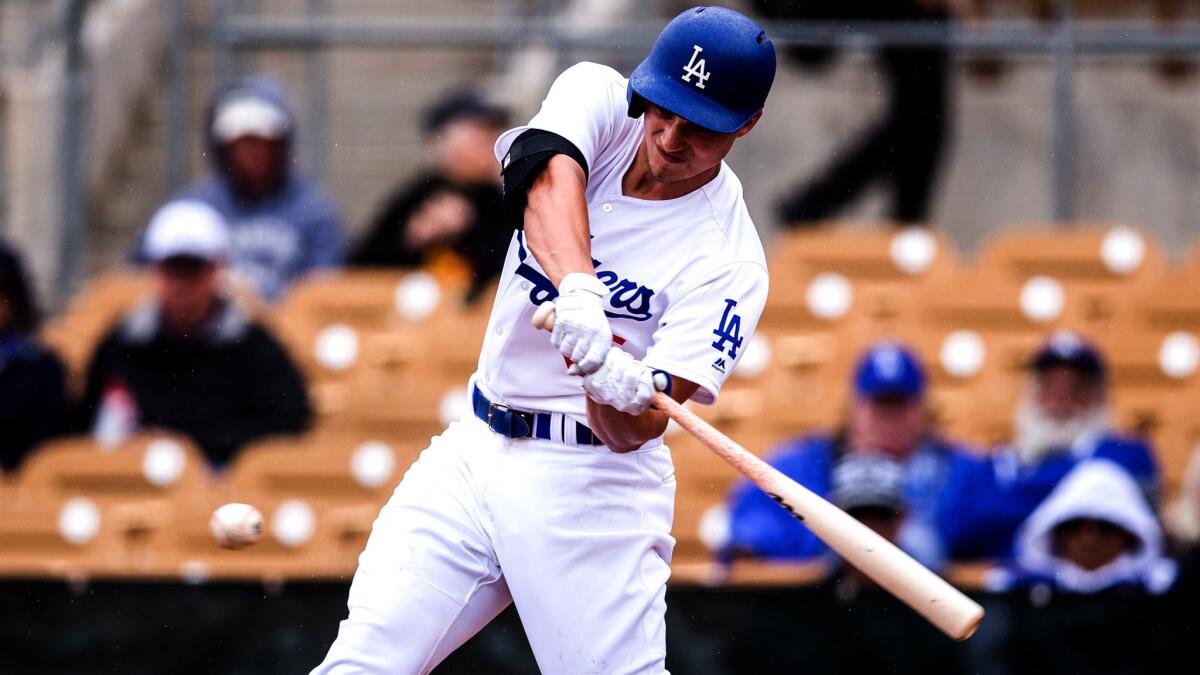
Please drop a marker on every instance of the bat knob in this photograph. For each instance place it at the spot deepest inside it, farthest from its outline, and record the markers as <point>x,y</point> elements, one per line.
<point>543,316</point>
<point>662,381</point>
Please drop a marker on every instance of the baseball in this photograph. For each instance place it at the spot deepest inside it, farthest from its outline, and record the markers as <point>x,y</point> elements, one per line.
<point>236,525</point>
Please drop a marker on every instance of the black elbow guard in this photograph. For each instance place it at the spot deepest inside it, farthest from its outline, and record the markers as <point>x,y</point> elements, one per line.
<point>526,158</point>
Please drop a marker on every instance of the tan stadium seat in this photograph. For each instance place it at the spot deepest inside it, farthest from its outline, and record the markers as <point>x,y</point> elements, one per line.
<point>1084,253</point>
<point>147,467</point>
<point>299,542</point>
<point>865,253</point>
<point>328,468</point>
<point>49,535</point>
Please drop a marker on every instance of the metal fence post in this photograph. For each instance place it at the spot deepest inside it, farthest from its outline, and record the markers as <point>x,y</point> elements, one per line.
<point>316,90</point>
<point>71,152</point>
<point>1062,152</point>
<point>222,58</point>
<point>178,57</point>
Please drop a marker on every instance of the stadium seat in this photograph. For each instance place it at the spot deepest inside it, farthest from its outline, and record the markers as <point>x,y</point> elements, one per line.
<point>1085,253</point>
<point>148,467</point>
<point>50,536</point>
<point>868,253</point>
<point>328,468</point>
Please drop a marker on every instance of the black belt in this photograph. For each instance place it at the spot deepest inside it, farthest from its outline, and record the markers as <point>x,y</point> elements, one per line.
<point>513,423</point>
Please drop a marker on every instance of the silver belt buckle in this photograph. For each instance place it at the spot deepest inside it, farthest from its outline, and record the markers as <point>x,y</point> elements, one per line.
<point>504,408</point>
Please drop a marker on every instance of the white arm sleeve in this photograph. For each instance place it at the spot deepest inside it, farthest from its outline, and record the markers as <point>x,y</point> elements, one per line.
<point>704,333</point>
<point>585,105</point>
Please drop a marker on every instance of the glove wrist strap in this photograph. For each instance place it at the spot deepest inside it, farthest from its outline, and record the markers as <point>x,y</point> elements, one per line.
<point>580,281</point>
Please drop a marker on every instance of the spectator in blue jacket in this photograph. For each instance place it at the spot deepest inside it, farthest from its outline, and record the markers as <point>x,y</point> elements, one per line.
<point>283,225</point>
<point>1063,419</point>
<point>887,417</point>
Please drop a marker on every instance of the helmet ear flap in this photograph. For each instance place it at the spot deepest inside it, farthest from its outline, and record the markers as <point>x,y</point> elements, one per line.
<point>637,104</point>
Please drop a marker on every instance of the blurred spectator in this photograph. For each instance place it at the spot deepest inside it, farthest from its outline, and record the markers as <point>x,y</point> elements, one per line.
<point>904,148</point>
<point>1090,559</point>
<point>190,360</point>
<point>1183,515</point>
<point>847,624</point>
<point>33,404</point>
<point>281,224</point>
<point>887,417</point>
<point>1063,419</point>
<point>1095,531</point>
<point>450,217</point>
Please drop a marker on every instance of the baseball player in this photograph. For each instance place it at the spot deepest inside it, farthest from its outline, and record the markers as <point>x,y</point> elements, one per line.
<point>558,493</point>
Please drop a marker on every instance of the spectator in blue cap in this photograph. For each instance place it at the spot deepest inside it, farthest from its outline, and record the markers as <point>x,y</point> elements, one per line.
<point>1063,419</point>
<point>887,417</point>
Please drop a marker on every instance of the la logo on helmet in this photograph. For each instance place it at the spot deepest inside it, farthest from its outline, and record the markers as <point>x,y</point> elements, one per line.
<point>695,67</point>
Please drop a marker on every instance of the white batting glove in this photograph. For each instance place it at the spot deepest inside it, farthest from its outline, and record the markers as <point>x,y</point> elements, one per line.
<point>622,382</point>
<point>581,330</point>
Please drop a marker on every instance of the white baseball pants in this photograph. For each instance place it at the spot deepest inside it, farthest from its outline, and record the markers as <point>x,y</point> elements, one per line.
<point>578,536</point>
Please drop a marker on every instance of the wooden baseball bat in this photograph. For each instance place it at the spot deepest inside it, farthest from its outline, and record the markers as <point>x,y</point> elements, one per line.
<point>931,596</point>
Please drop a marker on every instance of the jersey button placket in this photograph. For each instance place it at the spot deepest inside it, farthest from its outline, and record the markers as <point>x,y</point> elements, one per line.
<point>606,207</point>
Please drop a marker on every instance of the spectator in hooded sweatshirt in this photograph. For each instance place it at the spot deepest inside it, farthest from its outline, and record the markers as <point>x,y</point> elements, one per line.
<point>1090,560</point>
<point>190,360</point>
<point>450,218</point>
<point>887,417</point>
<point>33,404</point>
<point>282,225</point>
<point>1063,419</point>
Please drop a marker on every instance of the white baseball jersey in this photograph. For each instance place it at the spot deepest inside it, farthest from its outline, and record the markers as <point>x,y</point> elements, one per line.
<point>687,276</point>
<point>578,536</point>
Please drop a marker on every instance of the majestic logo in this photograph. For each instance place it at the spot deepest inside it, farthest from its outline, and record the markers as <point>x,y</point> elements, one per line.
<point>696,68</point>
<point>719,364</point>
<point>729,330</point>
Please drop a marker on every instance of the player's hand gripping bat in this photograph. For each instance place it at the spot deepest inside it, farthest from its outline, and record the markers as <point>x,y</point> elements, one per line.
<point>933,597</point>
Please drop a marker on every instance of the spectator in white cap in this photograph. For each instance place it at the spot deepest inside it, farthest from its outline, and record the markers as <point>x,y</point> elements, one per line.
<point>282,225</point>
<point>189,359</point>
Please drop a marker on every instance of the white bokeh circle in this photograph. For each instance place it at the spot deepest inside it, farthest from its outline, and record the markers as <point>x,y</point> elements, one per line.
<point>372,464</point>
<point>913,250</point>
<point>293,523</point>
<point>1179,355</point>
<point>829,295</point>
<point>713,530</point>
<point>417,295</point>
<point>1042,299</point>
<point>337,347</point>
<point>194,572</point>
<point>1122,250</point>
<point>756,358</point>
<point>163,462</point>
<point>454,406</point>
<point>79,521</point>
<point>962,353</point>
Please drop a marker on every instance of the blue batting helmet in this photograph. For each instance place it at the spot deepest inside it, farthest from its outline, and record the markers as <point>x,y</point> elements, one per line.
<point>712,66</point>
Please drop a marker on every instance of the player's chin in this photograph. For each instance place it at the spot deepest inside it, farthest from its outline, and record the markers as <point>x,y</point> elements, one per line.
<point>671,173</point>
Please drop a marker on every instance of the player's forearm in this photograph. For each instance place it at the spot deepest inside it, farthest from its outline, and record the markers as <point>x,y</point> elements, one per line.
<point>556,220</point>
<point>622,432</point>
